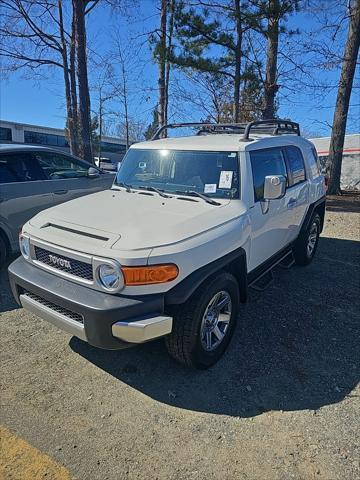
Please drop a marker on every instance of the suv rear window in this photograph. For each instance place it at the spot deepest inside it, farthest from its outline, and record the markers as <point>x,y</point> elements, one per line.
<point>296,165</point>
<point>263,163</point>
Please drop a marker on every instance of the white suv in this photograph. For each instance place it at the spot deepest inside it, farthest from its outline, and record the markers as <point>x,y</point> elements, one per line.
<point>171,249</point>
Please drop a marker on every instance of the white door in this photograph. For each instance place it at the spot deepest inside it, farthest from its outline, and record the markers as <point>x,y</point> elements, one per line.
<point>270,226</point>
<point>297,193</point>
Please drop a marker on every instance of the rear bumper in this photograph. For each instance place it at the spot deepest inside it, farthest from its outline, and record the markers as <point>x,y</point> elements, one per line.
<point>103,320</point>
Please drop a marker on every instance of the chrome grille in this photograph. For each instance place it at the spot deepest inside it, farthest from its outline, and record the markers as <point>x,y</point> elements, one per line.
<point>57,308</point>
<point>78,268</point>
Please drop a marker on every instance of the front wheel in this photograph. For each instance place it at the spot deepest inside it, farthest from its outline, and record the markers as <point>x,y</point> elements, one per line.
<point>204,324</point>
<point>306,245</point>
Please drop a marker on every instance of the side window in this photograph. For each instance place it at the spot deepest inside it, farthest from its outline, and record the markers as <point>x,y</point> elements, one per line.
<point>314,162</point>
<point>296,165</point>
<point>57,166</point>
<point>19,167</point>
<point>263,163</point>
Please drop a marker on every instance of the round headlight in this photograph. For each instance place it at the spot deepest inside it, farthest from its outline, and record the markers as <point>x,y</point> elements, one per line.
<point>24,246</point>
<point>110,276</point>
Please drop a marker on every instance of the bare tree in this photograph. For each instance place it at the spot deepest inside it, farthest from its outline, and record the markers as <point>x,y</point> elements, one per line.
<point>238,55</point>
<point>270,86</point>
<point>343,98</point>
<point>33,35</point>
<point>71,102</point>
<point>79,12</point>
<point>168,57</point>
<point>161,50</point>
<point>275,12</point>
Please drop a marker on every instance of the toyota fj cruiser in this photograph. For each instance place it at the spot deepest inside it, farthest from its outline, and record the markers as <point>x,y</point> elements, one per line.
<point>171,249</point>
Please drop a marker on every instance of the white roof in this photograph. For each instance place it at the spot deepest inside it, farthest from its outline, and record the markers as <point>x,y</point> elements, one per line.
<point>217,143</point>
<point>351,144</point>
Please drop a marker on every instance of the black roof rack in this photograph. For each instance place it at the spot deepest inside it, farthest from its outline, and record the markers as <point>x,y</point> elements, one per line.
<point>272,127</point>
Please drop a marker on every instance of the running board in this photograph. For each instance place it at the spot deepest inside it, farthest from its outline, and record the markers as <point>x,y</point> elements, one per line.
<point>263,281</point>
<point>288,261</point>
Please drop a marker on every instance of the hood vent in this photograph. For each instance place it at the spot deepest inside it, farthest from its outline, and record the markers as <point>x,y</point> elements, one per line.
<point>77,232</point>
<point>187,199</point>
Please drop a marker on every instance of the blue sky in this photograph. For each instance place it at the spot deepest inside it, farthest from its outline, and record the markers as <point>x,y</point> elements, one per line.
<point>41,101</point>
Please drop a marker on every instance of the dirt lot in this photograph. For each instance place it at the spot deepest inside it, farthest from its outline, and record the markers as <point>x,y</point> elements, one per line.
<point>283,403</point>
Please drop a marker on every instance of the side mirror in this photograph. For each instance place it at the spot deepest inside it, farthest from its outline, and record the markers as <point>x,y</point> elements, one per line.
<point>93,172</point>
<point>274,187</point>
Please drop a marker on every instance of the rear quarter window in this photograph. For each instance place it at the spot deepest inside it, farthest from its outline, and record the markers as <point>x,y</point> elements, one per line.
<point>314,162</point>
<point>296,165</point>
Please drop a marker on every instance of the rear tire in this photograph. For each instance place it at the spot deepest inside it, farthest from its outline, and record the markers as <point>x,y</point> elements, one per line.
<point>306,245</point>
<point>3,251</point>
<point>204,324</point>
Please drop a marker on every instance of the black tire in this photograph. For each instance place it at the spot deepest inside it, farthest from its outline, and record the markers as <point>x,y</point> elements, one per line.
<point>302,253</point>
<point>184,343</point>
<point>3,251</point>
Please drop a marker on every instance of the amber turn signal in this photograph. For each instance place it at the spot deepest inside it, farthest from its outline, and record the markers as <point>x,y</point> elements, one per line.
<point>150,274</point>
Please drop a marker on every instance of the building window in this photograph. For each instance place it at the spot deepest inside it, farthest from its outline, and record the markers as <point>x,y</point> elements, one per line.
<point>49,139</point>
<point>5,134</point>
<point>110,147</point>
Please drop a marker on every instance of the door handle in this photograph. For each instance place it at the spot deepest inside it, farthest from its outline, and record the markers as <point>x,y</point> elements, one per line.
<point>292,202</point>
<point>61,192</point>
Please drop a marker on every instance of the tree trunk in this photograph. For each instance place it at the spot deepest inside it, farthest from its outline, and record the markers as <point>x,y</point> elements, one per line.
<point>162,63</point>
<point>83,84</point>
<point>126,108</point>
<point>70,120</point>
<point>100,125</point>
<point>237,77</point>
<point>270,86</point>
<point>343,100</point>
<point>73,88</point>
<point>168,55</point>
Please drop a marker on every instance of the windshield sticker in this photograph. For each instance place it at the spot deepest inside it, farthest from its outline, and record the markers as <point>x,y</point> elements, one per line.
<point>232,155</point>
<point>225,180</point>
<point>210,188</point>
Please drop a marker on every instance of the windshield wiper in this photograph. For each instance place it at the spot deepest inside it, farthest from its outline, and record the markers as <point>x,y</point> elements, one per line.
<point>154,189</point>
<point>124,185</point>
<point>200,195</point>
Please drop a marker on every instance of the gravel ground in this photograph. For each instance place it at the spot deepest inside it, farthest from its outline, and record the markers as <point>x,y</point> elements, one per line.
<point>282,404</point>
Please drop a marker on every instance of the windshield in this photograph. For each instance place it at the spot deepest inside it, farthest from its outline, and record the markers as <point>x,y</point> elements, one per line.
<point>215,174</point>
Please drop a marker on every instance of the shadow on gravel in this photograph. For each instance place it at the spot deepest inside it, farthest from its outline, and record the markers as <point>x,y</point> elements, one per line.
<point>347,202</point>
<point>296,347</point>
<point>7,301</point>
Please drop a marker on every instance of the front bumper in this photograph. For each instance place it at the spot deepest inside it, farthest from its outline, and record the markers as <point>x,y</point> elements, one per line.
<point>103,320</point>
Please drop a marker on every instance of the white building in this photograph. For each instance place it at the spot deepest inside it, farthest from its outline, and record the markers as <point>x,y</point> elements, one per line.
<point>350,173</point>
<point>12,132</point>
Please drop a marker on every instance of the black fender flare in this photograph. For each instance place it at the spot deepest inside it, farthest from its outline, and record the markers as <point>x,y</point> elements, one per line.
<point>319,205</point>
<point>234,262</point>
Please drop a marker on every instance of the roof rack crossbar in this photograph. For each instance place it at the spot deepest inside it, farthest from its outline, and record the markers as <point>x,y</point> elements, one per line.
<point>285,126</point>
<point>202,125</point>
<point>273,126</point>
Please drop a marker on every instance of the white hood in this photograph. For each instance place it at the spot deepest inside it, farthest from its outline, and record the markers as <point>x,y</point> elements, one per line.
<point>132,221</point>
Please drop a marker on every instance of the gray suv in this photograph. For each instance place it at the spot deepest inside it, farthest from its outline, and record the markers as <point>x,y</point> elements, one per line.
<point>33,178</point>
